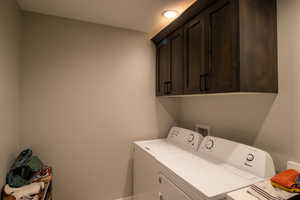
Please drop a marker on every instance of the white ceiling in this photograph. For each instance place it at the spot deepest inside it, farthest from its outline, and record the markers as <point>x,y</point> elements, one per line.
<point>141,15</point>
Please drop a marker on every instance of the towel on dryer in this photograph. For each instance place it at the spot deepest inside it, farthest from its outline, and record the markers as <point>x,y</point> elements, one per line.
<point>265,191</point>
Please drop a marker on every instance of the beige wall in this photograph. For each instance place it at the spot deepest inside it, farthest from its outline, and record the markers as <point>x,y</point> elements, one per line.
<point>10,27</point>
<point>266,121</point>
<point>87,94</point>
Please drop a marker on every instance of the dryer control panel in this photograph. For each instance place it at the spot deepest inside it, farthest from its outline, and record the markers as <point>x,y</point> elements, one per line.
<point>239,155</point>
<point>185,138</point>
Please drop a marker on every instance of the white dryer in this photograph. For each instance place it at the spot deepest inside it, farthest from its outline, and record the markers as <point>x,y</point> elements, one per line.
<point>186,167</point>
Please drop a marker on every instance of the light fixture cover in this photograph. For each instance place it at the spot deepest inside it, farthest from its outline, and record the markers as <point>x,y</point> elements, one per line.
<point>170,14</point>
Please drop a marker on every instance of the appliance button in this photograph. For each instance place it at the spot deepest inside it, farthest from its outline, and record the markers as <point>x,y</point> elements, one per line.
<point>190,138</point>
<point>174,134</point>
<point>250,157</point>
<point>209,144</point>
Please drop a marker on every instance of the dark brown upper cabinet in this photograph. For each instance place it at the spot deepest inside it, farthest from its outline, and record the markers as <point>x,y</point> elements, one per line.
<point>223,55</point>
<point>163,78</point>
<point>176,64</point>
<point>219,46</point>
<point>170,65</point>
<point>195,62</point>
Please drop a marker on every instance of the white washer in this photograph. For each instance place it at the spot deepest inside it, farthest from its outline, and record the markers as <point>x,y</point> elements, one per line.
<point>178,168</point>
<point>147,153</point>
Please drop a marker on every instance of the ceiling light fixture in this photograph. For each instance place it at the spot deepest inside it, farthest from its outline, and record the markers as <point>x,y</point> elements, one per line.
<point>170,14</point>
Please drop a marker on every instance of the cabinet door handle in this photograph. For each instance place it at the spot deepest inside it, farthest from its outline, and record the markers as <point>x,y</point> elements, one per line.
<point>167,87</point>
<point>206,81</point>
<point>201,78</point>
<point>159,180</point>
<point>161,197</point>
<point>200,82</point>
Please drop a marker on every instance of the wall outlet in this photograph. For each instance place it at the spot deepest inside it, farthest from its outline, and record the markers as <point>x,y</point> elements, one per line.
<point>293,165</point>
<point>204,130</point>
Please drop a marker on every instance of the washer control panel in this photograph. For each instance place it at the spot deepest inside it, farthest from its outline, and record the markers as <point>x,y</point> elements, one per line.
<point>185,138</point>
<point>190,138</point>
<point>209,145</point>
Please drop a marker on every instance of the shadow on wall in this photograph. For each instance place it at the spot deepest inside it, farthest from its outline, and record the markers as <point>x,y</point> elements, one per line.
<point>166,114</point>
<point>236,117</point>
<point>170,107</point>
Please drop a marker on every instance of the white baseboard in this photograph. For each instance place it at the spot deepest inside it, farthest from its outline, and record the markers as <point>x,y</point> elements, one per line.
<point>125,198</point>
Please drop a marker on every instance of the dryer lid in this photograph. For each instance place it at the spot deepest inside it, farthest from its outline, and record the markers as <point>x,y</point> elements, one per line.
<point>208,176</point>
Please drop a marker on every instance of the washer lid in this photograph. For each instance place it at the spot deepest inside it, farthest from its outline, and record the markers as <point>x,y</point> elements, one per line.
<point>161,148</point>
<point>208,176</point>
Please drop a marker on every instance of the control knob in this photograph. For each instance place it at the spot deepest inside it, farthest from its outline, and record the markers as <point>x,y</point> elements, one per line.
<point>209,144</point>
<point>190,138</point>
<point>250,157</point>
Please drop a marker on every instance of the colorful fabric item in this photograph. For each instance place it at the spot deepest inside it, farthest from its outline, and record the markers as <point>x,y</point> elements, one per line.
<point>22,158</point>
<point>35,164</point>
<point>23,169</point>
<point>298,181</point>
<point>286,178</point>
<point>292,190</point>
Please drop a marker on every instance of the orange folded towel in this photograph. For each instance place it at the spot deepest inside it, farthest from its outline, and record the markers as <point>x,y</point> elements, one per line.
<point>286,178</point>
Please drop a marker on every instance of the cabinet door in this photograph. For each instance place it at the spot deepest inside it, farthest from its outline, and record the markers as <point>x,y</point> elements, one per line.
<point>195,55</point>
<point>223,51</point>
<point>170,191</point>
<point>176,62</point>
<point>163,71</point>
